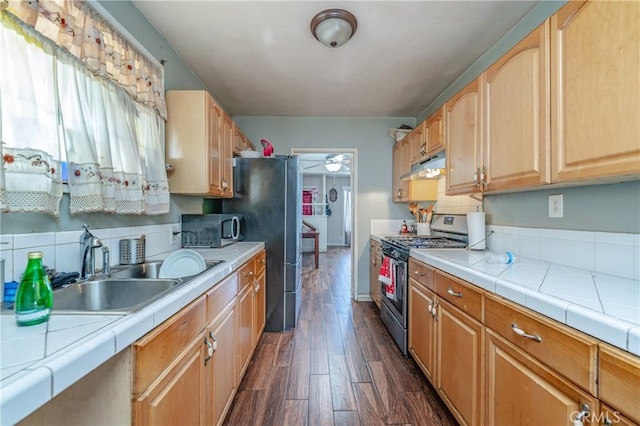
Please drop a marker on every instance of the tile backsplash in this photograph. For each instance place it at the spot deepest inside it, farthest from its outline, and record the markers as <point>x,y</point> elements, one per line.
<point>609,253</point>
<point>61,250</point>
<point>455,203</point>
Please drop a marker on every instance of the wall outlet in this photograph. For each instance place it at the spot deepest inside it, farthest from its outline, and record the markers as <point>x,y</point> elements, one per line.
<point>174,235</point>
<point>555,205</point>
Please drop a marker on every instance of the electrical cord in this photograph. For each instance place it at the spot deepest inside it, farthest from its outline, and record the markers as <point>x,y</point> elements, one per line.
<point>482,240</point>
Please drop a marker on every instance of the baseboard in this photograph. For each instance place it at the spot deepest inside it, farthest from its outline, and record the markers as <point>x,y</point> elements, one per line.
<point>364,298</point>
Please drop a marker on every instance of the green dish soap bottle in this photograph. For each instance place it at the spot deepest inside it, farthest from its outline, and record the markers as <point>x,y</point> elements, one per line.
<point>34,298</point>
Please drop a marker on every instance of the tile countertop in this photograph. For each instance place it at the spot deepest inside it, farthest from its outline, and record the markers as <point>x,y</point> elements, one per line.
<point>604,306</point>
<point>39,362</point>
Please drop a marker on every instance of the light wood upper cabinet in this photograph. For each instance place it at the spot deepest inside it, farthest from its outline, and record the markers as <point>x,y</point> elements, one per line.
<point>240,141</point>
<point>463,137</point>
<point>401,165</point>
<point>418,143</point>
<point>516,140</point>
<point>199,137</point>
<point>595,74</point>
<point>434,132</point>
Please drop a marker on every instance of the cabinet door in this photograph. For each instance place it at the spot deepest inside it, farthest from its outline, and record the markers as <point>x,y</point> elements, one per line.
<point>244,330</point>
<point>226,150</point>
<point>214,114</point>
<point>222,374</point>
<point>463,137</point>
<point>418,143</point>
<point>460,361</point>
<point>521,391</point>
<point>177,397</point>
<point>595,52</point>
<point>422,328</point>
<point>619,380</point>
<point>374,272</point>
<point>609,417</point>
<point>434,132</point>
<point>259,307</point>
<point>188,141</point>
<point>400,155</point>
<point>516,115</point>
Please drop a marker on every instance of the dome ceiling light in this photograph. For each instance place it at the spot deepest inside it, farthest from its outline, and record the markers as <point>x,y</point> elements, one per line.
<point>333,27</point>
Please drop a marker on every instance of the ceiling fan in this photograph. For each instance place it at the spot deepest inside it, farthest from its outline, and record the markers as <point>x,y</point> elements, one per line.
<point>332,162</point>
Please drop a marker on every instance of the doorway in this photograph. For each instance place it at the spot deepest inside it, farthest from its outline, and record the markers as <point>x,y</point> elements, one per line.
<point>329,198</point>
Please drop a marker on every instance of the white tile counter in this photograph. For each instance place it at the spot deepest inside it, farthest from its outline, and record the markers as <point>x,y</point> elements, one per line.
<point>604,306</point>
<point>39,362</point>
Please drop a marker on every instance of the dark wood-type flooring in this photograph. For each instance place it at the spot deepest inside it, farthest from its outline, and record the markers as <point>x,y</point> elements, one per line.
<point>338,366</point>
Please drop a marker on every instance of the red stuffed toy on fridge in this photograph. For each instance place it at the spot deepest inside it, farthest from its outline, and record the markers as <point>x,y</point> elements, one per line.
<point>268,148</point>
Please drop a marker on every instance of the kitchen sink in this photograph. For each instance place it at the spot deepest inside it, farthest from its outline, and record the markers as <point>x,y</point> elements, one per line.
<point>127,289</point>
<point>111,294</point>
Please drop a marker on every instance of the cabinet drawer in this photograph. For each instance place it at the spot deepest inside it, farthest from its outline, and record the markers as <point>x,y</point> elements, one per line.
<point>155,352</point>
<point>565,350</point>
<point>619,381</point>
<point>260,261</point>
<point>421,273</point>
<point>246,275</point>
<point>221,295</point>
<point>461,295</point>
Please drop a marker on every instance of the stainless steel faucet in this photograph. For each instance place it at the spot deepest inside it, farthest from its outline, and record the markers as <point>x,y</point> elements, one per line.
<point>88,243</point>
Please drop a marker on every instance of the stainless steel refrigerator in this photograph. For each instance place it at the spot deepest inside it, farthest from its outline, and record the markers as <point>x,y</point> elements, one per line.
<point>268,194</point>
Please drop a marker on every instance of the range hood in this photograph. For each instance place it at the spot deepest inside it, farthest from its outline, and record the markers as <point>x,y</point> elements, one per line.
<point>426,169</point>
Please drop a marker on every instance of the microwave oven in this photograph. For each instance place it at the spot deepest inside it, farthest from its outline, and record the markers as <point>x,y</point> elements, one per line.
<point>210,230</point>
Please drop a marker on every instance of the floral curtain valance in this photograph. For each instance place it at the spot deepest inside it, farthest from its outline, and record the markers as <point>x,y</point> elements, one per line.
<point>75,27</point>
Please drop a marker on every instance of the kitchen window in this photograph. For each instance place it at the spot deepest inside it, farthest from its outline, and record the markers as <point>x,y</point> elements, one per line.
<point>56,108</point>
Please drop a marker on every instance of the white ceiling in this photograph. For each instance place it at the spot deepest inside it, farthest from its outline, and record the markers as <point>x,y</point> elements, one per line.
<point>259,57</point>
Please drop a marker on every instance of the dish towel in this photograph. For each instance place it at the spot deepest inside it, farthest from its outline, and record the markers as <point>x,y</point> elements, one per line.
<point>387,277</point>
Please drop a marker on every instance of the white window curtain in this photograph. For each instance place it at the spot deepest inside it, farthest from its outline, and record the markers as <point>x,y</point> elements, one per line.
<point>31,151</point>
<point>112,144</point>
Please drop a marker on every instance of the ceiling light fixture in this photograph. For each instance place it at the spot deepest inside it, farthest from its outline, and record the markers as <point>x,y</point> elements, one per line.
<point>333,167</point>
<point>333,27</point>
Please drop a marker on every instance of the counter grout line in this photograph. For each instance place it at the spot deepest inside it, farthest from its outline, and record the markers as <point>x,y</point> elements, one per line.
<point>593,279</point>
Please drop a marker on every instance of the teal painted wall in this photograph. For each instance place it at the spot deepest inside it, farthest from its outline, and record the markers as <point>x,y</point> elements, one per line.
<point>374,163</point>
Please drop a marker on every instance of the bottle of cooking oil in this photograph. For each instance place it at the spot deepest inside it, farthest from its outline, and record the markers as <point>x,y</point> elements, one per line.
<point>34,298</point>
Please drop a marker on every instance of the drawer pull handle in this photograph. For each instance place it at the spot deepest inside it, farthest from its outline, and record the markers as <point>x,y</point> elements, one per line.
<point>453,293</point>
<point>521,332</point>
<point>418,273</point>
<point>248,274</point>
<point>210,350</point>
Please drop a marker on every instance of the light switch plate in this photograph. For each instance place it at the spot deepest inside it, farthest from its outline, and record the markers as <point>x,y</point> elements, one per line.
<point>555,205</point>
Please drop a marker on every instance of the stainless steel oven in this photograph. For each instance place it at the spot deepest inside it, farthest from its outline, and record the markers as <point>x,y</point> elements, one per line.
<point>448,231</point>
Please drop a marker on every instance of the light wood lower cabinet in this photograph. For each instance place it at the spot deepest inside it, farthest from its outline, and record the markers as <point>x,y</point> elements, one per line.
<point>494,362</point>
<point>375,261</point>
<point>460,360</point>
<point>619,382</point>
<point>422,327</point>
<point>222,335</point>
<point>447,343</point>
<point>259,306</point>
<point>169,372</point>
<point>187,370</point>
<point>244,332</point>
<point>522,390</point>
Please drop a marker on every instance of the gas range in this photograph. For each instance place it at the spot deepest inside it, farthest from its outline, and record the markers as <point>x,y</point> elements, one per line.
<point>447,231</point>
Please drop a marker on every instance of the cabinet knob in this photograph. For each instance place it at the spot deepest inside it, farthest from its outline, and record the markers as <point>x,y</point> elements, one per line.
<point>521,332</point>
<point>418,273</point>
<point>248,274</point>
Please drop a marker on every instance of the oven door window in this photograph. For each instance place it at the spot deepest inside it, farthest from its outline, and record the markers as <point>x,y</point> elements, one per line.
<point>395,295</point>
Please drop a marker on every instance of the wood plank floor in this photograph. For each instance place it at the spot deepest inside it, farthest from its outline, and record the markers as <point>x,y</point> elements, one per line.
<point>338,366</point>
